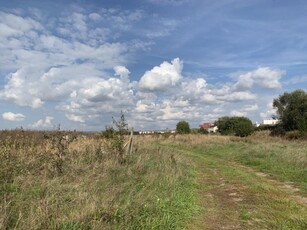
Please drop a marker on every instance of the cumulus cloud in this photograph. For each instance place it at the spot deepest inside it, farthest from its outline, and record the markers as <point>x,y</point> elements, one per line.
<point>162,77</point>
<point>13,116</point>
<point>43,123</point>
<point>20,91</point>
<point>122,71</point>
<point>265,77</point>
<point>171,111</point>
<point>68,62</point>
<point>97,96</point>
<point>44,67</point>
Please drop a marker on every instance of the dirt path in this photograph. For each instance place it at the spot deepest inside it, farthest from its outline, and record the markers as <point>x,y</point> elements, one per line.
<point>233,196</point>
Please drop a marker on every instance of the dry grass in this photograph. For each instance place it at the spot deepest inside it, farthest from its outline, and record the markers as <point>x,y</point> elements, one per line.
<point>48,182</point>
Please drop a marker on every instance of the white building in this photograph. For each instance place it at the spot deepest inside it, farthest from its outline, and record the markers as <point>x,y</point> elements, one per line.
<point>270,121</point>
<point>213,129</point>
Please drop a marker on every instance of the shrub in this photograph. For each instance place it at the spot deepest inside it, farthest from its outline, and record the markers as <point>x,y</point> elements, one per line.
<point>239,126</point>
<point>244,127</point>
<point>202,130</point>
<point>293,135</point>
<point>264,127</point>
<point>109,132</point>
<point>278,131</point>
<point>183,127</point>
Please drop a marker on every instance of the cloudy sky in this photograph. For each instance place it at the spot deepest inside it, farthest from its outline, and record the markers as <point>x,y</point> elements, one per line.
<point>78,63</point>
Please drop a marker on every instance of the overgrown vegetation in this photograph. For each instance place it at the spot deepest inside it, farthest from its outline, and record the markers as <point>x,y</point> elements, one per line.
<point>238,126</point>
<point>70,180</point>
<point>183,127</point>
<point>202,130</point>
<point>61,180</point>
<point>292,110</point>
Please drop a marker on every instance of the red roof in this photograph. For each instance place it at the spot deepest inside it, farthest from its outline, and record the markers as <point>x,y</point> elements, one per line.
<point>206,125</point>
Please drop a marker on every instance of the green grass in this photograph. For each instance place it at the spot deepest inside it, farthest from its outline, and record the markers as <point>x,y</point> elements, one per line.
<point>282,162</point>
<point>173,182</point>
<point>231,192</point>
<point>153,189</point>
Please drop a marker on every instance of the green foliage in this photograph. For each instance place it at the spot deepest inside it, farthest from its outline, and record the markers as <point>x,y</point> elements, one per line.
<point>265,127</point>
<point>202,130</point>
<point>239,126</point>
<point>183,127</point>
<point>292,110</point>
<point>278,131</point>
<point>118,139</point>
<point>109,132</point>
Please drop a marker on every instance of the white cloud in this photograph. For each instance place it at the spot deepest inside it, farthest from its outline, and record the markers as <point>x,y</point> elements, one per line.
<point>171,112</point>
<point>94,16</point>
<point>43,123</point>
<point>238,96</point>
<point>75,118</point>
<point>122,71</point>
<point>144,107</point>
<point>15,25</point>
<point>96,96</point>
<point>47,67</point>
<point>68,62</point>
<point>269,111</point>
<point>238,113</point>
<point>162,77</point>
<point>251,108</point>
<point>265,77</point>
<point>13,116</point>
<point>21,91</point>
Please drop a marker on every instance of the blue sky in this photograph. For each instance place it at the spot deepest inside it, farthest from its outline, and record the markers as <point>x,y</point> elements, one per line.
<point>79,63</point>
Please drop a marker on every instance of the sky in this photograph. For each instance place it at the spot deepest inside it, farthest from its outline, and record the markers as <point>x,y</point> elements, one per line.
<point>79,63</point>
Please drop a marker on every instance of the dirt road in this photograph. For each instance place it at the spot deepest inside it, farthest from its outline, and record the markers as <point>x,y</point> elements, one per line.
<point>233,196</point>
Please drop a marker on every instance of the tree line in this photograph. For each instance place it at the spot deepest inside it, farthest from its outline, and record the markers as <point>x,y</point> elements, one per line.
<point>291,111</point>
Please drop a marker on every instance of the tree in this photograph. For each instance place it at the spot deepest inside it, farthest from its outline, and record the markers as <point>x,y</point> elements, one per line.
<point>292,110</point>
<point>239,126</point>
<point>183,127</point>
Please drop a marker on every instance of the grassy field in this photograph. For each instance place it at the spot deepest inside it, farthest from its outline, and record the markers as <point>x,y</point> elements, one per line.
<point>257,182</point>
<point>168,182</point>
<point>51,183</point>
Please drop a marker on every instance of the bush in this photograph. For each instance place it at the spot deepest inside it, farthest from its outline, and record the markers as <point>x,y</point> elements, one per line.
<point>183,127</point>
<point>109,132</point>
<point>238,126</point>
<point>244,127</point>
<point>278,131</point>
<point>265,127</point>
<point>294,135</point>
<point>201,130</point>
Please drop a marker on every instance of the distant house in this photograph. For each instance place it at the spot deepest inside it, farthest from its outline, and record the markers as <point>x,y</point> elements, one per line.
<point>156,131</point>
<point>211,127</point>
<point>270,121</point>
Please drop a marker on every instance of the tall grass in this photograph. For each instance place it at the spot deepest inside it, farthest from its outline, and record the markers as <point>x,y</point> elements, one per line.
<point>282,159</point>
<point>51,182</point>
